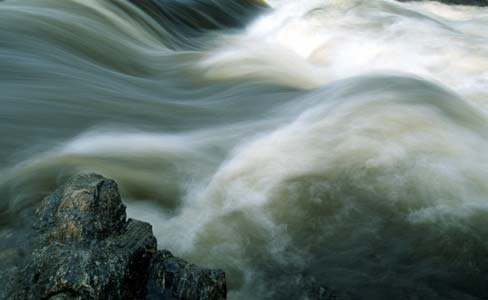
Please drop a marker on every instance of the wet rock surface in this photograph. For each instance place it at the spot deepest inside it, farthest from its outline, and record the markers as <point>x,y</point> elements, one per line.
<point>85,248</point>
<point>172,276</point>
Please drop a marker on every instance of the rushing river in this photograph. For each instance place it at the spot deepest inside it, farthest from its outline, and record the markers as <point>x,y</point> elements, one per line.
<point>341,140</point>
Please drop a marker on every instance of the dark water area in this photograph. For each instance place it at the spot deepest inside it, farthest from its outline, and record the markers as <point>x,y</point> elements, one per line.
<point>342,140</point>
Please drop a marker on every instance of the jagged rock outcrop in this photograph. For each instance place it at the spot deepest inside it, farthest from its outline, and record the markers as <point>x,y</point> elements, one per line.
<point>170,275</point>
<point>87,249</point>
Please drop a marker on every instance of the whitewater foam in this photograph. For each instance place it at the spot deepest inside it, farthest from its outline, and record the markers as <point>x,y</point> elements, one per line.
<point>340,140</point>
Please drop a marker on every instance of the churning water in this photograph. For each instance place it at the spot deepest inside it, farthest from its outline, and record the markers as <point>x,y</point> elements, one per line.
<point>344,140</point>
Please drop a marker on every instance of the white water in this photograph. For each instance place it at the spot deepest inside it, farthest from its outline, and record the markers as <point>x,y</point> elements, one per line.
<point>372,177</point>
<point>311,43</point>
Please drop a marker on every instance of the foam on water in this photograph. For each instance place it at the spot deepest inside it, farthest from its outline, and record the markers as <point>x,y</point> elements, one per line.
<point>310,43</point>
<point>340,140</point>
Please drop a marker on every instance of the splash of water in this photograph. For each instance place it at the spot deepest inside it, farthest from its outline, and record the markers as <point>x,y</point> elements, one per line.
<point>344,140</point>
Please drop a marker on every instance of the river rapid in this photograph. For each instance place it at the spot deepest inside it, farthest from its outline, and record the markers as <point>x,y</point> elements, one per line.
<point>340,140</point>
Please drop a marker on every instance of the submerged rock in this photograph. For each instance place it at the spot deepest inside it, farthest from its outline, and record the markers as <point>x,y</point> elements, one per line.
<point>87,249</point>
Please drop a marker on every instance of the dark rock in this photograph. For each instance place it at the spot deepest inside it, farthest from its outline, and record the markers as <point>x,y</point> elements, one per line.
<point>86,249</point>
<point>173,277</point>
<point>87,208</point>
